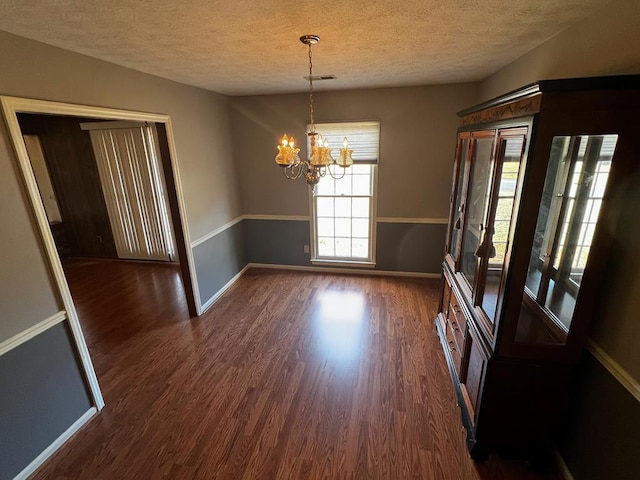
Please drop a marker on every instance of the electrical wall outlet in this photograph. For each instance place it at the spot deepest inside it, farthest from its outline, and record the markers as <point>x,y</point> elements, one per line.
<point>306,248</point>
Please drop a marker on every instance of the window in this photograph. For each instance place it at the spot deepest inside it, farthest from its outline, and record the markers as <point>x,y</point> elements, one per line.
<point>343,209</point>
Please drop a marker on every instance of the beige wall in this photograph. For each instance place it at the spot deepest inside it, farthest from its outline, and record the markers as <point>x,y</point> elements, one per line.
<point>26,296</point>
<point>616,327</point>
<point>200,122</point>
<point>417,137</point>
<point>605,43</point>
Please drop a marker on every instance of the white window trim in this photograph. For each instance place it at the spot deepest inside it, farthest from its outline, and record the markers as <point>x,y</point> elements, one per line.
<point>365,263</point>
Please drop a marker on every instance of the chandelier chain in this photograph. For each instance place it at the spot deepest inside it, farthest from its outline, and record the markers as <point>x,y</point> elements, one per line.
<point>313,128</point>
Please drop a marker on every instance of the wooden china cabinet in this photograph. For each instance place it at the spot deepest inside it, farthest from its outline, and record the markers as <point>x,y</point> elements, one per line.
<point>538,181</point>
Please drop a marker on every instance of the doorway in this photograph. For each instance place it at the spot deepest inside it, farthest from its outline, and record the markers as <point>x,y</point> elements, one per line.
<point>102,186</point>
<point>13,108</point>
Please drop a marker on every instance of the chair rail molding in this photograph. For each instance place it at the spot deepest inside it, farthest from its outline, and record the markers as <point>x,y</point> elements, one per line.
<point>423,220</point>
<point>614,368</point>
<point>32,332</point>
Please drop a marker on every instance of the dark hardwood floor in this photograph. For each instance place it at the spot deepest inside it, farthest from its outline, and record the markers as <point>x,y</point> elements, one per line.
<point>289,375</point>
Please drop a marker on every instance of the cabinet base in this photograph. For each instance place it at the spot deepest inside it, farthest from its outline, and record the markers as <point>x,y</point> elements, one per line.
<point>535,450</point>
<point>465,415</point>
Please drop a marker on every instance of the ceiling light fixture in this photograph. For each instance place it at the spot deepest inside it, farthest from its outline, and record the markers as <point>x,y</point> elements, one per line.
<point>318,164</point>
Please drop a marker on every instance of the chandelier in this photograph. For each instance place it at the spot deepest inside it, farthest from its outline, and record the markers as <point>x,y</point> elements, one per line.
<point>320,159</point>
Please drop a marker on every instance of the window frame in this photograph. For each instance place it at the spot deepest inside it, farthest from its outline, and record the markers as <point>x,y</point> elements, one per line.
<point>351,261</point>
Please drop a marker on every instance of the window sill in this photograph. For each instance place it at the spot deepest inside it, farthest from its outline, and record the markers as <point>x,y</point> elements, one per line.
<point>343,263</point>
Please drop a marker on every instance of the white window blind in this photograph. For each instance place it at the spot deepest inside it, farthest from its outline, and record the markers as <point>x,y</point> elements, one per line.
<point>133,186</point>
<point>363,137</point>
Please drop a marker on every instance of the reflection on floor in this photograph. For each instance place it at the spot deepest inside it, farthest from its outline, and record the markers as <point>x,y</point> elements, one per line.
<point>289,375</point>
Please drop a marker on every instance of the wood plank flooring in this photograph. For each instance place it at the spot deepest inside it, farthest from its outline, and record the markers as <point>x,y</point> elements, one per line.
<point>288,376</point>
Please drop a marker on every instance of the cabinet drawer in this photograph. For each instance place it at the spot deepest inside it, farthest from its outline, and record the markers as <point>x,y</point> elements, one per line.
<point>446,298</point>
<point>457,317</point>
<point>454,348</point>
<point>458,322</point>
<point>458,334</point>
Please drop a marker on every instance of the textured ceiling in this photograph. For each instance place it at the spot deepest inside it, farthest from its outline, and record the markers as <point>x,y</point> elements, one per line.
<point>238,47</point>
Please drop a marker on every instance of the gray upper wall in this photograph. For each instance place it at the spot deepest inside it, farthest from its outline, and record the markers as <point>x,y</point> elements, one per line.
<point>202,135</point>
<point>417,139</point>
<point>27,296</point>
<point>605,43</point>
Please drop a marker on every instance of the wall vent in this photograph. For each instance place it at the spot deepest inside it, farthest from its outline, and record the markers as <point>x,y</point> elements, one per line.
<point>321,77</point>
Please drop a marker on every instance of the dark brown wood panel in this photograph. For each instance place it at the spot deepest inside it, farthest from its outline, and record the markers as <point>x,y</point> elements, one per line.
<point>176,217</point>
<point>74,174</point>
<point>289,375</point>
<point>475,371</point>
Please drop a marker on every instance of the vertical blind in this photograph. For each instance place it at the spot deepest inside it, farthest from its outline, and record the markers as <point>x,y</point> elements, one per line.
<point>133,186</point>
<point>363,139</point>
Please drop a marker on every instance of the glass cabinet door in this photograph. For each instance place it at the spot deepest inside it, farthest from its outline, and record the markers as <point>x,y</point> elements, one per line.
<point>497,235</point>
<point>575,184</point>
<point>475,210</point>
<point>458,194</point>
<point>492,188</point>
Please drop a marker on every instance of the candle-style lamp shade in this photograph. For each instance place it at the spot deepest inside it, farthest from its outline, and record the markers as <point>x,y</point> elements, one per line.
<point>345,159</point>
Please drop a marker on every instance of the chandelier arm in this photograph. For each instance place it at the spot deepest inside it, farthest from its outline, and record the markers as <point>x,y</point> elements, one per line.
<point>302,169</point>
<point>291,172</point>
<point>344,172</point>
<point>286,171</point>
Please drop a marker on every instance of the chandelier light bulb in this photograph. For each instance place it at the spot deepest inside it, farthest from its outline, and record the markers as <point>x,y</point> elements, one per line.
<point>345,144</point>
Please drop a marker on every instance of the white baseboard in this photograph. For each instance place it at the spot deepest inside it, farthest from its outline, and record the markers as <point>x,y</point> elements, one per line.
<point>51,449</point>
<point>355,271</point>
<point>220,292</point>
<point>302,268</point>
<point>31,332</point>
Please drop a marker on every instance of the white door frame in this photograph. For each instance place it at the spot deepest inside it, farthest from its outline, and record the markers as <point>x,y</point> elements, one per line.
<point>11,106</point>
